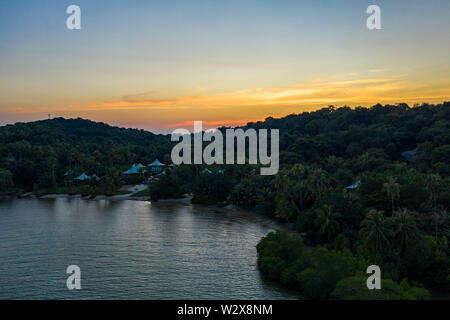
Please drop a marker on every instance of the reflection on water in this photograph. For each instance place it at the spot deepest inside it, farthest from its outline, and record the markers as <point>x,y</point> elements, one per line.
<point>130,250</point>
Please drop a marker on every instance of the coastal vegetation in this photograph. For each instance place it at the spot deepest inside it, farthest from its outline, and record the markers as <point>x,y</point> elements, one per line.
<point>360,186</point>
<point>46,156</point>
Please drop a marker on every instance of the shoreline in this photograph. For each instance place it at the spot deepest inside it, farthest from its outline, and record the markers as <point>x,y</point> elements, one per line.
<point>30,195</point>
<point>92,197</point>
<point>185,200</point>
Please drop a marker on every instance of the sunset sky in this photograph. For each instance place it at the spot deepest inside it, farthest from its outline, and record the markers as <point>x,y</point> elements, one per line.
<point>159,65</point>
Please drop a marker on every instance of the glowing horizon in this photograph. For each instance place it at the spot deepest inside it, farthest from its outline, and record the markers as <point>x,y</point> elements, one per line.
<point>159,66</point>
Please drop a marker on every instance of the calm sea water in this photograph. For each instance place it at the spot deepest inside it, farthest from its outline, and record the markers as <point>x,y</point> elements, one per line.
<point>130,250</point>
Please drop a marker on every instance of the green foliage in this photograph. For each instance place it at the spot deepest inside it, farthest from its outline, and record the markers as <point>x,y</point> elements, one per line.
<point>327,268</point>
<point>392,189</point>
<point>341,243</point>
<point>355,288</point>
<point>327,223</point>
<point>211,188</point>
<point>173,184</point>
<point>251,191</point>
<point>289,275</point>
<point>280,244</point>
<point>405,231</point>
<point>376,233</point>
<point>386,220</point>
<point>338,213</point>
<point>428,262</point>
<point>6,181</point>
<point>272,267</point>
<point>40,153</point>
<point>166,186</point>
<point>321,273</point>
<point>398,185</point>
<point>291,192</point>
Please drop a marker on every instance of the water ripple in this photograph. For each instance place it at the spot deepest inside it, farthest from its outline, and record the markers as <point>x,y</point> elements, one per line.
<point>129,250</point>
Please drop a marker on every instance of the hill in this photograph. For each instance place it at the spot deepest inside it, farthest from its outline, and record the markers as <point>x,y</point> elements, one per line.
<point>362,186</point>
<point>39,153</point>
<point>364,138</point>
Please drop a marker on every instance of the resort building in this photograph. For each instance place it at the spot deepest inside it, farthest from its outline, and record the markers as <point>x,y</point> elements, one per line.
<point>82,177</point>
<point>356,185</point>
<point>156,167</point>
<point>134,170</point>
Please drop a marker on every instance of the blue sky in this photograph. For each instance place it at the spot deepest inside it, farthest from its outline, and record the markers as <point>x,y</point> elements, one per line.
<point>212,58</point>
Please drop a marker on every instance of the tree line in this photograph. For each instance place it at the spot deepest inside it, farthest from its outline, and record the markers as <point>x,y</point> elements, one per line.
<point>360,186</point>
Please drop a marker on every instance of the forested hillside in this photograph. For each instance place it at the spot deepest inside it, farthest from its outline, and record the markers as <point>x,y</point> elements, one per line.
<point>362,186</point>
<point>36,155</point>
<point>368,136</point>
<point>335,148</point>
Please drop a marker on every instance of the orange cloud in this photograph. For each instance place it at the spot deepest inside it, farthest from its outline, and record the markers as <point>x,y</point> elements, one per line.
<point>236,107</point>
<point>313,93</point>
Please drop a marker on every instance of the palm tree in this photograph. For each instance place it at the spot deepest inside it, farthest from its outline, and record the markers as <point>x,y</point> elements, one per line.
<point>392,189</point>
<point>405,229</point>
<point>5,179</point>
<point>299,172</point>
<point>375,232</point>
<point>326,223</point>
<point>434,182</point>
<point>52,163</point>
<point>285,201</point>
<point>289,190</point>
<point>318,183</point>
<point>281,182</point>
